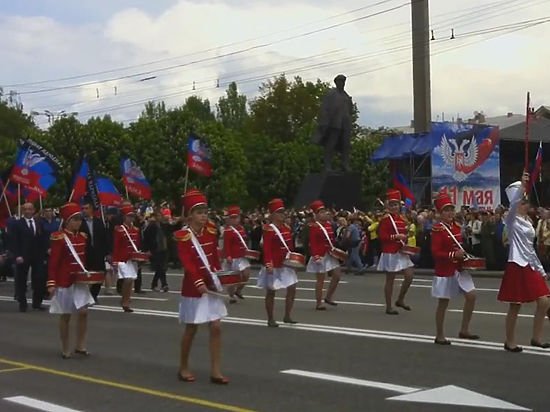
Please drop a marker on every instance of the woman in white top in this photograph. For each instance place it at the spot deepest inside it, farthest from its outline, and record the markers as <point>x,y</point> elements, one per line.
<point>524,277</point>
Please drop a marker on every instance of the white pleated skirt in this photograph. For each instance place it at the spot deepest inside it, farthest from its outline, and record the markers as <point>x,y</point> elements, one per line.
<point>325,265</point>
<point>127,270</point>
<point>394,262</point>
<point>238,264</point>
<point>279,278</point>
<point>207,308</point>
<point>452,286</point>
<point>70,300</point>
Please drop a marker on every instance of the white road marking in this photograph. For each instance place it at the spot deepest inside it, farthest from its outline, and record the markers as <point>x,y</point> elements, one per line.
<point>38,404</point>
<point>300,277</point>
<point>482,312</point>
<point>478,289</point>
<point>445,395</point>
<point>455,395</point>
<point>337,330</point>
<point>351,381</point>
<point>133,298</point>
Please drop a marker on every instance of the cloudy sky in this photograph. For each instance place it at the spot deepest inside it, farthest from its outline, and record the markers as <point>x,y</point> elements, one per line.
<point>92,56</point>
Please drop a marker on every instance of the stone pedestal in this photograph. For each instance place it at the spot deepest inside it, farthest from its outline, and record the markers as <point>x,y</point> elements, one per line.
<point>337,190</point>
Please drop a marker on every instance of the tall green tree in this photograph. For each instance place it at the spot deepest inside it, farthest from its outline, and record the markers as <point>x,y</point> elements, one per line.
<point>231,108</point>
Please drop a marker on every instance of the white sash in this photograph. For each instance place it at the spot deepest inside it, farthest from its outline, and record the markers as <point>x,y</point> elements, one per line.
<point>204,260</point>
<point>326,234</point>
<point>395,227</point>
<point>130,238</point>
<point>280,236</point>
<point>240,237</point>
<point>74,253</point>
<point>453,237</point>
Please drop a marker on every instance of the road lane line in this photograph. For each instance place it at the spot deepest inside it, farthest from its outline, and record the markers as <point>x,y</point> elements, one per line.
<point>365,333</point>
<point>352,381</point>
<point>478,289</point>
<point>127,387</point>
<point>12,370</point>
<point>482,312</point>
<point>38,404</point>
<point>300,279</point>
<point>133,298</point>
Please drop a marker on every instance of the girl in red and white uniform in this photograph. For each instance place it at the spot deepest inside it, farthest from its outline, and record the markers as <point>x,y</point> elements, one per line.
<point>321,242</point>
<point>524,276</point>
<point>450,280</point>
<point>126,239</point>
<point>392,232</point>
<point>234,248</point>
<point>68,297</point>
<point>201,301</point>
<point>274,275</point>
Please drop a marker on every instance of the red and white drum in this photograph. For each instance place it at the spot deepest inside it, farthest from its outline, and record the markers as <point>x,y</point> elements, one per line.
<point>295,260</point>
<point>89,278</point>
<point>139,256</point>
<point>252,254</point>
<point>410,250</point>
<point>339,254</point>
<point>474,263</point>
<point>229,277</point>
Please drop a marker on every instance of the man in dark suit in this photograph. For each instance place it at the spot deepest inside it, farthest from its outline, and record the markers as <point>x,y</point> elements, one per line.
<point>29,247</point>
<point>97,248</point>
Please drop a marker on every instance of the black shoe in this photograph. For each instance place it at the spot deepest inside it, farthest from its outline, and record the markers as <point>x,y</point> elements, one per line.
<point>517,349</point>
<point>127,309</point>
<point>239,295</point>
<point>272,324</point>
<point>391,312</point>
<point>331,302</point>
<point>140,292</point>
<point>290,321</point>
<point>444,342</point>
<point>544,345</point>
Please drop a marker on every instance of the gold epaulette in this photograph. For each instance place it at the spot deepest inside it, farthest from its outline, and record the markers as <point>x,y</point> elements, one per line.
<point>84,235</point>
<point>287,226</point>
<point>458,225</point>
<point>119,228</point>
<point>267,228</point>
<point>56,236</point>
<point>212,229</point>
<point>182,235</point>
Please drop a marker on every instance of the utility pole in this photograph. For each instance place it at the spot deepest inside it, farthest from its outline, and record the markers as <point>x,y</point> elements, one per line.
<point>420,17</point>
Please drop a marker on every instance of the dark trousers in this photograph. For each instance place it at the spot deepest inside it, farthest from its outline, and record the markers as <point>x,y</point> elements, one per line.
<point>336,138</point>
<point>159,262</point>
<point>38,282</point>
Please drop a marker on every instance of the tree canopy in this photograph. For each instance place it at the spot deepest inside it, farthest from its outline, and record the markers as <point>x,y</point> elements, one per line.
<point>260,149</point>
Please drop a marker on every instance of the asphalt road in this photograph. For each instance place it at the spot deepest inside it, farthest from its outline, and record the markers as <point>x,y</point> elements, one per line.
<point>350,358</point>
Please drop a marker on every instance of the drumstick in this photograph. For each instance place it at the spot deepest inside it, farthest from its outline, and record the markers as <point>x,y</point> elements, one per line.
<point>217,294</point>
<point>456,241</point>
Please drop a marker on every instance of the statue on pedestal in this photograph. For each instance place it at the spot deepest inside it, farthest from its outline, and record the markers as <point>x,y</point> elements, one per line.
<point>334,124</point>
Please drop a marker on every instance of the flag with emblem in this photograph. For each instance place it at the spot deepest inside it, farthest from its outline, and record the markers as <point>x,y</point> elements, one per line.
<point>134,179</point>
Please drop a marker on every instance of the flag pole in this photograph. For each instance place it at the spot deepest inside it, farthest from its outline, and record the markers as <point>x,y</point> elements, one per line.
<point>126,189</point>
<point>102,214</point>
<point>186,179</point>
<point>7,203</point>
<point>527,119</point>
<point>71,196</point>
<point>18,200</point>
<point>5,188</point>
<point>40,201</point>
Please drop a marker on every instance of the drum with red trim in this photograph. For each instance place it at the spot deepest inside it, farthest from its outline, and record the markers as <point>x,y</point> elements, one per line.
<point>474,263</point>
<point>252,254</point>
<point>295,260</point>
<point>229,277</point>
<point>139,256</point>
<point>339,254</point>
<point>88,278</point>
<point>410,250</point>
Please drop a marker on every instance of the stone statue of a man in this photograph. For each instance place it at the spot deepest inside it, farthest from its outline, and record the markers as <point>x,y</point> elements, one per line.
<point>334,124</point>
